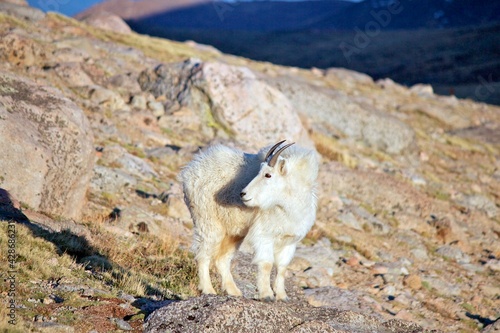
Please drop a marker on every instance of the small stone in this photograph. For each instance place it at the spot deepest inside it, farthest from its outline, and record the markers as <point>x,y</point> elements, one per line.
<point>412,281</point>
<point>490,291</point>
<point>138,102</point>
<point>318,277</point>
<point>121,324</point>
<point>494,265</point>
<point>442,287</point>
<point>405,315</point>
<point>299,264</point>
<point>453,253</point>
<point>344,239</point>
<point>88,292</point>
<point>379,269</point>
<point>47,300</point>
<point>390,290</point>
<point>127,297</point>
<point>51,327</point>
<point>420,253</point>
<point>352,261</point>
<point>39,319</point>
<point>424,157</point>
<point>317,72</point>
<point>422,89</point>
<point>157,108</point>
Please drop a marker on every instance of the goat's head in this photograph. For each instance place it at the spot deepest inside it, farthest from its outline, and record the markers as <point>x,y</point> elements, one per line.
<point>267,188</point>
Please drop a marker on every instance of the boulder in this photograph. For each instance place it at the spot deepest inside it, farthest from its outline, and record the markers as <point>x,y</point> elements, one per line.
<point>107,21</point>
<point>332,111</point>
<point>20,9</point>
<point>47,147</point>
<point>210,313</point>
<point>228,102</point>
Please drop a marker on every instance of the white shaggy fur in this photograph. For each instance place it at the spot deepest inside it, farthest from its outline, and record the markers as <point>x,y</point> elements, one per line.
<point>233,195</point>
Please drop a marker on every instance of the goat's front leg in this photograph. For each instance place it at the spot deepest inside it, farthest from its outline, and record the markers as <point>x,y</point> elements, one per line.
<point>264,281</point>
<point>282,259</point>
<point>264,259</point>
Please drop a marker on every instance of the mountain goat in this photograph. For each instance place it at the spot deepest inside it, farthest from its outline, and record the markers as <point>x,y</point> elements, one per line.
<point>268,198</point>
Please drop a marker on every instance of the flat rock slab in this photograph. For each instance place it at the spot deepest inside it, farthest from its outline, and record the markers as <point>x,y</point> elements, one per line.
<point>210,313</point>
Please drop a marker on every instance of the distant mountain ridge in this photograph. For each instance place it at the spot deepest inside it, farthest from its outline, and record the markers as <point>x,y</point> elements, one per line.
<point>266,16</point>
<point>451,44</point>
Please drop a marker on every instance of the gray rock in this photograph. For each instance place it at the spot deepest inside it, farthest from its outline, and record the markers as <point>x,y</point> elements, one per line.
<point>442,287</point>
<point>422,90</point>
<point>453,253</point>
<point>225,101</point>
<point>349,219</point>
<point>48,160</point>
<point>342,299</point>
<point>17,48</point>
<point>349,76</point>
<point>228,314</point>
<point>51,327</point>
<point>110,180</point>
<point>493,264</point>
<point>121,324</point>
<point>105,97</point>
<point>480,202</point>
<point>333,111</point>
<point>157,108</point>
<point>136,166</point>
<point>24,12</point>
<point>115,155</point>
<point>107,21</point>
<point>138,102</point>
<point>73,74</point>
<point>493,328</point>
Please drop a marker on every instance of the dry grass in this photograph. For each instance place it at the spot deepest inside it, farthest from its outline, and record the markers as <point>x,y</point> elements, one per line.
<point>156,48</point>
<point>144,262</point>
<point>142,266</point>
<point>332,150</point>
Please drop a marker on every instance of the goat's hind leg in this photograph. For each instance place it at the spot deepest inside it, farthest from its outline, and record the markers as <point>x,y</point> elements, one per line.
<point>223,263</point>
<point>204,255</point>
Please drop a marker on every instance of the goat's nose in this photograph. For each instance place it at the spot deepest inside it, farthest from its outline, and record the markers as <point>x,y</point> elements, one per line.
<point>242,194</point>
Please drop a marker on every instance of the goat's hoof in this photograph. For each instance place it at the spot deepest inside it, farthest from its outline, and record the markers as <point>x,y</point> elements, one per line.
<point>283,299</point>
<point>209,291</point>
<point>267,299</point>
<point>235,293</point>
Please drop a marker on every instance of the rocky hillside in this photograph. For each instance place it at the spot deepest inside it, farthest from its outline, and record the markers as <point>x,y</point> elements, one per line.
<point>96,122</point>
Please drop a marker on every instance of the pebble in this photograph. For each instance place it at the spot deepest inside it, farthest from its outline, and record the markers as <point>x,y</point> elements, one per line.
<point>47,300</point>
<point>352,261</point>
<point>138,102</point>
<point>442,287</point>
<point>453,253</point>
<point>390,290</point>
<point>121,324</point>
<point>378,269</point>
<point>344,239</point>
<point>493,264</point>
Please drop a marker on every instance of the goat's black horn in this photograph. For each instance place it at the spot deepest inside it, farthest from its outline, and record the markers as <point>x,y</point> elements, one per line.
<point>273,148</point>
<point>274,159</point>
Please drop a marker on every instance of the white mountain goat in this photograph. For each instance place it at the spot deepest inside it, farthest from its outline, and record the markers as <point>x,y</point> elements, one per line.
<point>269,197</point>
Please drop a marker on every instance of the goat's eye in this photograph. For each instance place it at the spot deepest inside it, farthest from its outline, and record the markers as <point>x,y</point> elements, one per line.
<point>268,175</point>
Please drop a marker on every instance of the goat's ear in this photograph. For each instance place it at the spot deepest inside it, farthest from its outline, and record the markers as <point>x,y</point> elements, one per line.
<point>282,166</point>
